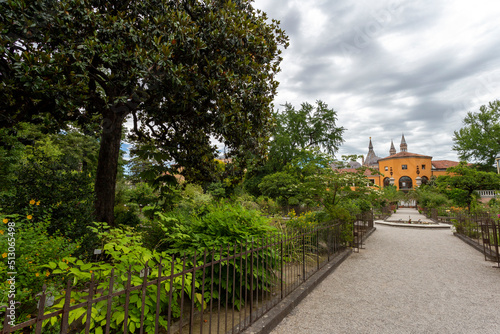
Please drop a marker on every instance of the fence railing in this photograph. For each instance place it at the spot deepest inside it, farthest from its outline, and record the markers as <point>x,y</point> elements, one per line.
<point>481,230</point>
<point>215,291</point>
<point>361,226</point>
<point>382,213</point>
<point>489,193</point>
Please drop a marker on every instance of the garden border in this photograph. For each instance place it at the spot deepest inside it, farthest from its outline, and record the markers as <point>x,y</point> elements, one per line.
<point>476,246</point>
<point>275,315</point>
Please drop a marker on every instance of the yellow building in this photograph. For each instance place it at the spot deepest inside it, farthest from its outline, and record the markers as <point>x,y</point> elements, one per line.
<point>405,170</point>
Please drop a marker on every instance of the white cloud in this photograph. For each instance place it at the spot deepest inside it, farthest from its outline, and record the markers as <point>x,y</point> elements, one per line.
<point>391,67</point>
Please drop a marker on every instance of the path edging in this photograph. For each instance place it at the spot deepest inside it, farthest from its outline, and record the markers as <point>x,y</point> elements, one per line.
<point>429,226</point>
<point>274,316</point>
<point>475,245</point>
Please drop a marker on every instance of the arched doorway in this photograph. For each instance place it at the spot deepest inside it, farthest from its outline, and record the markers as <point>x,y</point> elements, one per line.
<point>387,182</point>
<point>425,180</point>
<point>405,183</point>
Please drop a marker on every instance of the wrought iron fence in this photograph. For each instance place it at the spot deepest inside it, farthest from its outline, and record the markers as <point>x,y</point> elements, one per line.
<point>481,230</point>
<point>214,291</point>
<point>382,213</point>
<point>361,226</point>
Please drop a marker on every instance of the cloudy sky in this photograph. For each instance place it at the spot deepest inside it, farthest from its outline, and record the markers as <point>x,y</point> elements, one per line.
<point>391,67</point>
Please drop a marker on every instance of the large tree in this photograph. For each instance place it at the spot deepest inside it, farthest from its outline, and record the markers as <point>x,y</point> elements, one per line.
<point>303,130</point>
<point>185,71</point>
<point>479,139</point>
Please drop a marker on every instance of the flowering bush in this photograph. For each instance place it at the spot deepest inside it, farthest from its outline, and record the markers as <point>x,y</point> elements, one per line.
<point>46,186</point>
<point>30,249</point>
<point>306,220</point>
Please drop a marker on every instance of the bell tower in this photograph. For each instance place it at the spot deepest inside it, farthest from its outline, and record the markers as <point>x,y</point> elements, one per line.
<point>403,147</point>
<point>392,151</point>
<point>371,157</point>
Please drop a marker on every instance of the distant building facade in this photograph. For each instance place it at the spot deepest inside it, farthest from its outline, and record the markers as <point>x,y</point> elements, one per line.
<point>405,170</point>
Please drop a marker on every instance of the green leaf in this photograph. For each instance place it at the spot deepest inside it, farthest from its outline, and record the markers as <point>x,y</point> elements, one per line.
<point>86,266</point>
<point>119,317</point>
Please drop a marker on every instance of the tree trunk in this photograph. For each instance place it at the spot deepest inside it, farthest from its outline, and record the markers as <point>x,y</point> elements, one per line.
<point>107,167</point>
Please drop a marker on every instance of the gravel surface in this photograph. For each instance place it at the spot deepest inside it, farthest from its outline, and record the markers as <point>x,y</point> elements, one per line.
<point>406,280</point>
<point>406,213</point>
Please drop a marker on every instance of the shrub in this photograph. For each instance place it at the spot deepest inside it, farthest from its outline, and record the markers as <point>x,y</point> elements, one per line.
<point>193,198</point>
<point>224,228</point>
<point>217,190</point>
<point>267,205</point>
<point>33,248</point>
<point>127,215</point>
<point>124,250</point>
<point>431,199</point>
<point>305,220</point>
<point>67,194</point>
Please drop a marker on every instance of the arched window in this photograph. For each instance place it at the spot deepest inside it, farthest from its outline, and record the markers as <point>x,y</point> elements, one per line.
<point>425,179</point>
<point>387,182</point>
<point>405,182</point>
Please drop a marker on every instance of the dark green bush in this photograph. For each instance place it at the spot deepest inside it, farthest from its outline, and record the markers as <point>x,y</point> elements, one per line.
<point>217,190</point>
<point>34,248</point>
<point>127,215</point>
<point>67,193</point>
<point>219,227</point>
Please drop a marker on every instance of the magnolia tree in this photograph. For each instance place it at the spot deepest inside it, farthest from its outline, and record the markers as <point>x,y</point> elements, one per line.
<point>184,72</point>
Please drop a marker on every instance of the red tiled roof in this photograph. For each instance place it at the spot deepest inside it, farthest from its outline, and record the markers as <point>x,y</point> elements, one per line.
<point>367,172</point>
<point>444,164</point>
<point>405,155</point>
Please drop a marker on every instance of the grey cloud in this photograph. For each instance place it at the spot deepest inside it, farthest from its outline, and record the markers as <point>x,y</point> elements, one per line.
<point>347,58</point>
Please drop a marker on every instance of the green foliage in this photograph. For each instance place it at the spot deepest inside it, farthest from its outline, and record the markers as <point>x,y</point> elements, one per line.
<point>130,201</point>
<point>268,206</point>
<point>459,197</point>
<point>66,193</point>
<point>217,190</point>
<point>223,227</point>
<point>430,197</point>
<point>193,198</point>
<point>253,178</point>
<point>341,189</point>
<point>218,225</point>
<point>127,215</point>
<point>281,186</point>
<point>467,227</point>
<point>344,211</point>
<point>469,180</point>
<point>25,142</point>
<point>301,130</point>
<point>305,221</point>
<point>479,139</point>
<point>310,181</point>
<point>142,194</point>
<point>391,195</point>
<point>55,171</point>
<point>34,247</point>
<point>11,153</point>
<point>125,252</point>
<point>186,72</point>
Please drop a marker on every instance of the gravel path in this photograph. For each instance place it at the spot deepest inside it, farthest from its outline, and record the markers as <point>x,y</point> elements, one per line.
<point>404,281</point>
